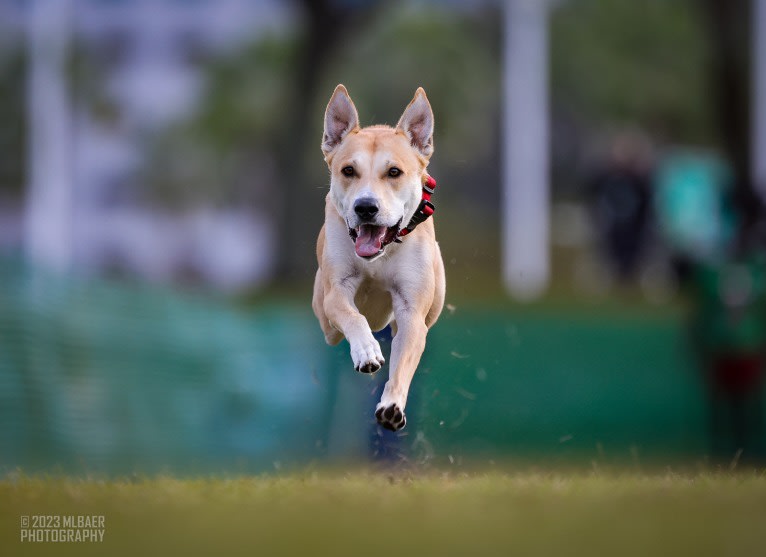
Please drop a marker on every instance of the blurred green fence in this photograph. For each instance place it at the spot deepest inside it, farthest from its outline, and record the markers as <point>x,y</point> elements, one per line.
<point>109,377</point>
<point>95,375</point>
<point>564,386</point>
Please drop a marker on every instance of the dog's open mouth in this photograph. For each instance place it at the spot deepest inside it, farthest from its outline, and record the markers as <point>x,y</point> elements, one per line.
<point>370,239</point>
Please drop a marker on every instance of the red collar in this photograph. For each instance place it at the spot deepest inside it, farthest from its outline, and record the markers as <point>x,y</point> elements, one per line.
<point>424,210</point>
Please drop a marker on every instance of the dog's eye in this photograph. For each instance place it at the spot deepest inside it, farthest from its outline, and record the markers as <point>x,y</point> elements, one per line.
<point>347,171</point>
<point>393,172</point>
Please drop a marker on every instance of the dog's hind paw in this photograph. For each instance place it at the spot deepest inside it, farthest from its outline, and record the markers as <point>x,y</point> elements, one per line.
<point>367,358</point>
<point>391,417</point>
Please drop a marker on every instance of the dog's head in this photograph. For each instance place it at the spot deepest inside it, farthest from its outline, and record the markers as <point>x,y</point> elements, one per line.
<point>376,173</point>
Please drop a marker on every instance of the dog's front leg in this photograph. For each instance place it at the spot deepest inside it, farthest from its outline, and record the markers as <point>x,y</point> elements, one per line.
<point>343,314</point>
<point>406,350</point>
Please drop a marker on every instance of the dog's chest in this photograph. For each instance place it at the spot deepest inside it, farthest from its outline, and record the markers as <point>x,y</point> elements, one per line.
<point>373,299</point>
<point>372,288</point>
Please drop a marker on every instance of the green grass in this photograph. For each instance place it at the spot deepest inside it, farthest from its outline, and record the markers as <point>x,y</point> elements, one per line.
<point>367,514</point>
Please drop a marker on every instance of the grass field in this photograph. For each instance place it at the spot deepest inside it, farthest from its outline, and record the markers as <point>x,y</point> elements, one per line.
<point>381,514</point>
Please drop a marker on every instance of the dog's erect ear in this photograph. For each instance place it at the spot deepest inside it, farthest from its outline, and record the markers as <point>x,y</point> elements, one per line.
<point>417,122</point>
<point>339,119</point>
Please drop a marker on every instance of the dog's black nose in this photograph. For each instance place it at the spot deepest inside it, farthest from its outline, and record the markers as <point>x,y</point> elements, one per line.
<point>366,208</point>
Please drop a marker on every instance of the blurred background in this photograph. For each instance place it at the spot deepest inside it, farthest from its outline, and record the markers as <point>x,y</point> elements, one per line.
<point>601,169</point>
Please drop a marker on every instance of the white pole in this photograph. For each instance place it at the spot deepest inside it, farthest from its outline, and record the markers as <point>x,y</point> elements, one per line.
<point>525,173</point>
<point>758,164</point>
<point>48,203</point>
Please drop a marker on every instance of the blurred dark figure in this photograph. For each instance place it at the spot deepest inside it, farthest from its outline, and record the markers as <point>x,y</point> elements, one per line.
<point>620,197</point>
<point>729,331</point>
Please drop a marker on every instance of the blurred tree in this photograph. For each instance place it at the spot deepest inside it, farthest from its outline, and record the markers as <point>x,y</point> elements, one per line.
<point>678,70</point>
<point>223,156</point>
<point>253,131</point>
<point>621,63</point>
<point>13,141</point>
<point>728,30</point>
<point>455,57</point>
<point>256,138</point>
<point>329,24</point>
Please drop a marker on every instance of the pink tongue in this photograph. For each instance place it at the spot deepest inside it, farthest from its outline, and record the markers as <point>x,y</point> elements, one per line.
<point>369,240</point>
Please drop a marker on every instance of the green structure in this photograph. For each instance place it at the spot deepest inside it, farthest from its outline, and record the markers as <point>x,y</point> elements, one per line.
<point>112,378</point>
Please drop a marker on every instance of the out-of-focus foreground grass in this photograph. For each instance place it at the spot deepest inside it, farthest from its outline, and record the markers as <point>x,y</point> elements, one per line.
<point>370,514</point>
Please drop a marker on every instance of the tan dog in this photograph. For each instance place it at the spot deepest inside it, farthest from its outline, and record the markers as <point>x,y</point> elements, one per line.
<point>372,279</point>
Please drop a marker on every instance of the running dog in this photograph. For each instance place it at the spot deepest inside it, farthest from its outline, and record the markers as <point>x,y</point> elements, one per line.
<point>379,263</point>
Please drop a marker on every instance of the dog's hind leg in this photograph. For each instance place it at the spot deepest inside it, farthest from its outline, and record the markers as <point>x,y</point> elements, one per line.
<point>332,335</point>
<point>406,350</point>
<point>440,288</point>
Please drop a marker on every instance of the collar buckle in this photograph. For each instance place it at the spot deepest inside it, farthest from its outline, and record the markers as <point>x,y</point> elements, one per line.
<point>424,210</point>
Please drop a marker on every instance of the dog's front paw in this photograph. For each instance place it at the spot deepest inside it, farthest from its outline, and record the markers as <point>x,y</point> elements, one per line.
<point>367,356</point>
<point>391,417</point>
